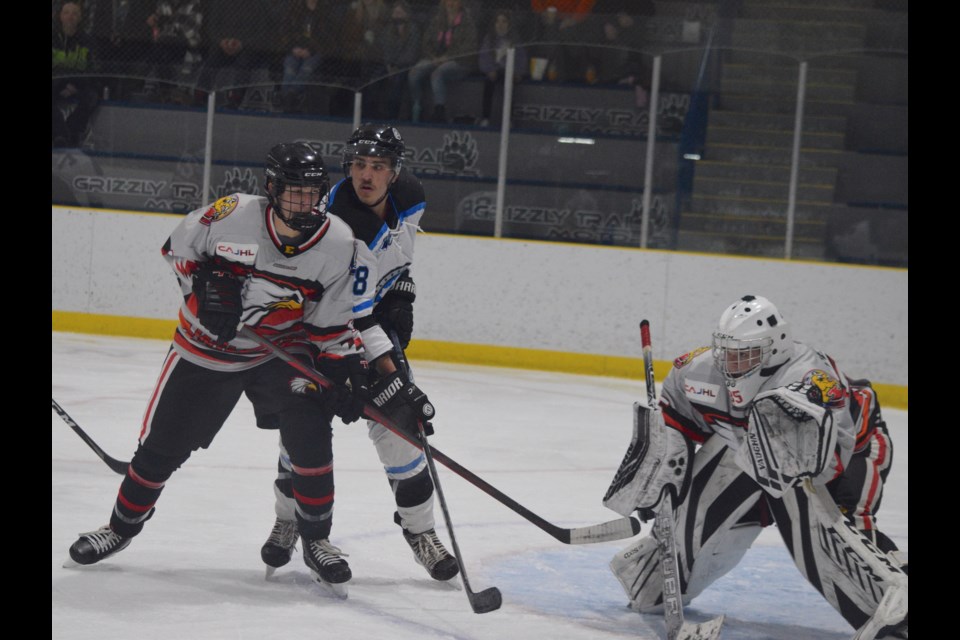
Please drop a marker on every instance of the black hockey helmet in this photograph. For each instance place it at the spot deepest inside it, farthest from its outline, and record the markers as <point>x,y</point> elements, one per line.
<point>376,140</point>
<point>300,165</point>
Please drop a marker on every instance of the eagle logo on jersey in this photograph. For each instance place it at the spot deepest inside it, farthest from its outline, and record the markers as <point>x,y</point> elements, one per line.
<point>686,358</point>
<point>220,209</point>
<point>821,388</point>
<point>303,387</point>
<point>285,304</point>
<point>274,302</point>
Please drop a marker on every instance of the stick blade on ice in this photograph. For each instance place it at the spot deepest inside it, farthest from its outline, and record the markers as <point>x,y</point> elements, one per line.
<point>485,601</point>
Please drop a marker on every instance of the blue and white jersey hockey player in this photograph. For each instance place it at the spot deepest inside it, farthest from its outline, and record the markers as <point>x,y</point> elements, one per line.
<point>382,202</point>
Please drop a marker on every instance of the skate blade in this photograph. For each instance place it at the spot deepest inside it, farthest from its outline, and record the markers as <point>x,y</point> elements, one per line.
<point>339,590</point>
<point>70,563</point>
<point>268,573</point>
<point>709,630</point>
<point>453,584</point>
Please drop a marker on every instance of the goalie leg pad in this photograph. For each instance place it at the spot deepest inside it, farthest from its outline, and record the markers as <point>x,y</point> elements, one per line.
<point>714,527</point>
<point>638,569</point>
<point>658,458</point>
<point>719,555</point>
<point>851,573</point>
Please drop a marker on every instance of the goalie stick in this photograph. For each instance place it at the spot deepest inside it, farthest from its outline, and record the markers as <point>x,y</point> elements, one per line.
<point>603,532</point>
<point>677,628</point>
<point>118,466</point>
<point>484,601</point>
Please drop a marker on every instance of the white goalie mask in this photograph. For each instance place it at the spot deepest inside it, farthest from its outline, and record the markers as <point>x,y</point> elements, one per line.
<point>751,339</point>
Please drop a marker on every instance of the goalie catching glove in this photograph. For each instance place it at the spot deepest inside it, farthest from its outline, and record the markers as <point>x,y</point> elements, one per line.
<point>219,301</point>
<point>789,438</point>
<point>657,460</point>
<point>404,403</point>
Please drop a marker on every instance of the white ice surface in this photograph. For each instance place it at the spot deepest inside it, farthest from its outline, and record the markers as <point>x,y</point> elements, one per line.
<point>550,441</point>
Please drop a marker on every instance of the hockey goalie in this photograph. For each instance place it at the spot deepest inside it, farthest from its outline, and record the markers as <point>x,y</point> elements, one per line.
<point>759,430</point>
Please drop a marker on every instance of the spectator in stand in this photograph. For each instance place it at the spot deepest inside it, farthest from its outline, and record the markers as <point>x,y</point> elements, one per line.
<point>400,42</point>
<point>305,36</point>
<point>449,41</point>
<point>566,23</point>
<point>237,47</point>
<point>121,34</point>
<point>492,58</point>
<point>617,62</point>
<point>362,25</point>
<point>98,24</point>
<point>175,30</point>
<point>485,10</point>
<point>74,96</point>
<point>422,9</point>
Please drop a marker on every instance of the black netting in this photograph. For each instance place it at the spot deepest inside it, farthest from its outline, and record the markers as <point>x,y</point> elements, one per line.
<point>133,87</point>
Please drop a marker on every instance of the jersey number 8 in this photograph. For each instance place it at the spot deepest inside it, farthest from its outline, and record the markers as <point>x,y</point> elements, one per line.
<point>360,280</point>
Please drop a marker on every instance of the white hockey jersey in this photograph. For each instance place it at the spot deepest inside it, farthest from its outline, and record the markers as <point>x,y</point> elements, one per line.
<point>390,241</point>
<point>294,294</point>
<point>695,401</point>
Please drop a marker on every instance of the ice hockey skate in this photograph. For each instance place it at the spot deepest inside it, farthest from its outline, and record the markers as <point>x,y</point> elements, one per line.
<point>94,546</point>
<point>430,553</point>
<point>279,547</point>
<point>327,565</point>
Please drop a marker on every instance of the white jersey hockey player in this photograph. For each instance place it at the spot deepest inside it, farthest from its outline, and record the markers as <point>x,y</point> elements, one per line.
<point>283,267</point>
<point>783,437</point>
<point>382,202</point>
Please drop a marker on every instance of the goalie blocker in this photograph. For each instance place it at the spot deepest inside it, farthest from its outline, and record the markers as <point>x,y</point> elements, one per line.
<point>657,461</point>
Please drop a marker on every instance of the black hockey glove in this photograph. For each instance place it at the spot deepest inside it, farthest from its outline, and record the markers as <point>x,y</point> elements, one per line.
<point>403,402</point>
<point>219,301</point>
<point>349,394</point>
<point>395,311</point>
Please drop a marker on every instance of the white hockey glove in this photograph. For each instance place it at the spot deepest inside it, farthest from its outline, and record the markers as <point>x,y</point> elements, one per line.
<point>658,460</point>
<point>788,438</point>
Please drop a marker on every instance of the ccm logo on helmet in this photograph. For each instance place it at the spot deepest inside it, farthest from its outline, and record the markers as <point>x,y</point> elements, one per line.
<point>312,174</point>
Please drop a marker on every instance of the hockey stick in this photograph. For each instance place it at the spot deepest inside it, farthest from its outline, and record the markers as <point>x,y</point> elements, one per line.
<point>604,532</point>
<point>488,599</point>
<point>118,466</point>
<point>677,629</point>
